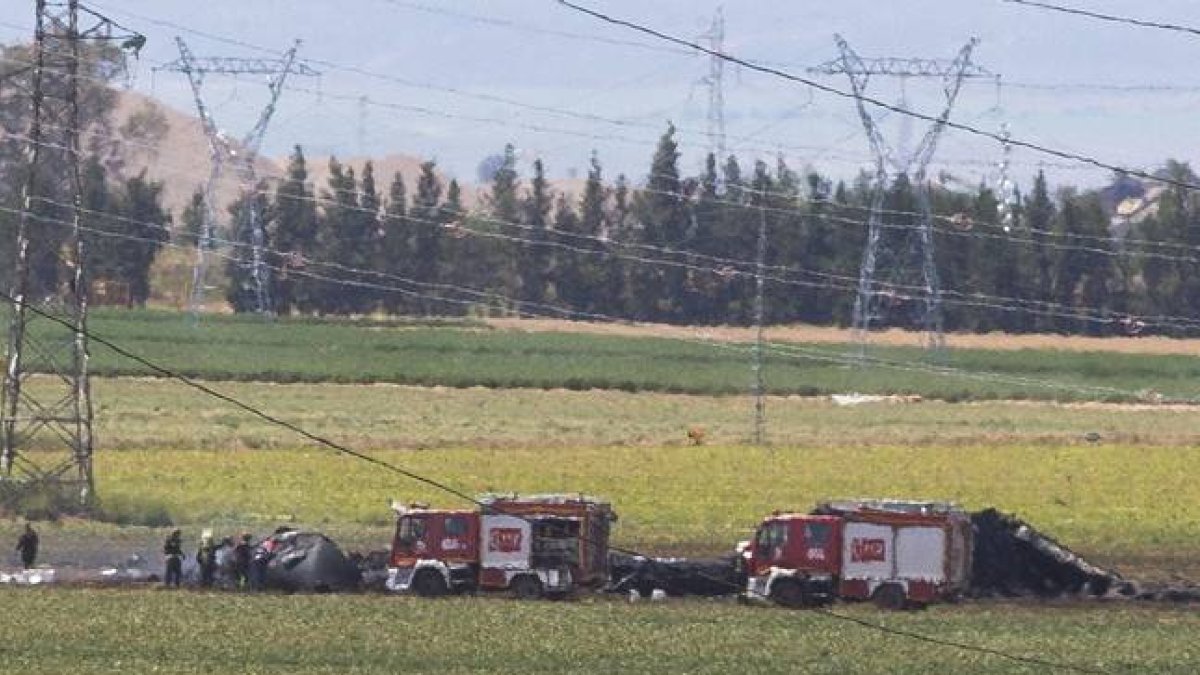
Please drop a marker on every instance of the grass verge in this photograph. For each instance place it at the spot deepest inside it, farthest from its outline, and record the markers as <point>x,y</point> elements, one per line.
<point>148,630</point>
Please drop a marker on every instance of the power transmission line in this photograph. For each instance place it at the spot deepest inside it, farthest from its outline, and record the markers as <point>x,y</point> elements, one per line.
<point>851,221</point>
<point>1123,242</point>
<point>538,128</point>
<point>715,81</point>
<point>733,267</point>
<point>758,66</point>
<point>879,256</point>
<point>730,267</point>
<point>1107,17</point>
<point>745,189</point>
<point>505,23</point>
<point>1115,87</point>
<point>958,126</point>
<point>1107,87</point>
<point>897,290</point>
<point>443,486</point>
<point>63,414</point>
<point>243,158</point>
<point>784,349</point>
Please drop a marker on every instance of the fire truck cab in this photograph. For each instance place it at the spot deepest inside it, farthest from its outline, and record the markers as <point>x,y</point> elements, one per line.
<point>896,553</point>
<point>531,546</point>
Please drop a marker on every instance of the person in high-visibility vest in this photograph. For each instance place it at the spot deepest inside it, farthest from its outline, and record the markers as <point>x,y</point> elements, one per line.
<point>206,559</point>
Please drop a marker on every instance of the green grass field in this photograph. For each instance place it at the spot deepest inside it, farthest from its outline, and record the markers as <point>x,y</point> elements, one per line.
<point>85,632</point>
<point>166,449</point>
<point>1125,498</point>
<point>463,354</point>
<point>133,413</point>
<point>1115,502</point>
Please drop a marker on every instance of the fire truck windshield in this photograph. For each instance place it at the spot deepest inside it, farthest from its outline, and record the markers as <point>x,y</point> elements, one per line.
<point>771,535</point>
<point>410,529</point>
<point>816,535</point>
<point>456,526</point>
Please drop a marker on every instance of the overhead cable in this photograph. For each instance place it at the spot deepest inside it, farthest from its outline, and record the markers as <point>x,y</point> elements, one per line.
<point>544,310</point>
<point>874,102</point>
<point>1107,17</point>
<point>442,486</point>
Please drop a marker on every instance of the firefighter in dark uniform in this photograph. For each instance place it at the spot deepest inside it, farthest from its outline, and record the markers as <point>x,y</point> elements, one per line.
<point>27,546</point>
<point>242,554</point>
<point>173,553</point>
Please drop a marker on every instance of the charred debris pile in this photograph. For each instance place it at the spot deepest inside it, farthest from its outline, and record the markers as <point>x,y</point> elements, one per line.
<point>675,576</point>
<point>1011,559</point>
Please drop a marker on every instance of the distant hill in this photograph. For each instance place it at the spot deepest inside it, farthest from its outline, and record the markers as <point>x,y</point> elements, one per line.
<point>179,157</point>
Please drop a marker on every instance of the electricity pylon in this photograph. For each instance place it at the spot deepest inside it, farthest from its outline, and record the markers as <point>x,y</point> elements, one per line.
<point>716,92</point>
<point>885,277</point>
<point>46,411</point>
<point>242,156</point>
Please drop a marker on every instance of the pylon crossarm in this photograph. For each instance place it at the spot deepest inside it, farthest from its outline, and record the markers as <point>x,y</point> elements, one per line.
<point>953,85</point>
<point>221,151</point>
<point>858,85</point>
<point>253,140</point>
<point>887,257</point>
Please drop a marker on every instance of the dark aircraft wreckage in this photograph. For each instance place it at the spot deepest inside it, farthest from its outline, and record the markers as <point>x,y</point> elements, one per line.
<point>293,561</point>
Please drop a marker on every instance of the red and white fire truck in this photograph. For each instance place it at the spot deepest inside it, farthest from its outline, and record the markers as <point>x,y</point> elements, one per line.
<point>896,553</point>
<point>532,546</point>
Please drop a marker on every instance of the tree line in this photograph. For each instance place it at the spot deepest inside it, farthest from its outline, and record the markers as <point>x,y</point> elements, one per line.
<point>671,248</point>
<point>681,249</point>
<point>122,217</point>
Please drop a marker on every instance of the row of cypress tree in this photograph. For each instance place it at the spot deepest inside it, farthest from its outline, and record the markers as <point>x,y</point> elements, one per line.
<point>681,249</point>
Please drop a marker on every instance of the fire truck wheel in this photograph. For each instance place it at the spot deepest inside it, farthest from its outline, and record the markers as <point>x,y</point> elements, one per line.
<point>429,584</point>
<point>790,593</point>
<point>890,597</point>
<point>526,587</point>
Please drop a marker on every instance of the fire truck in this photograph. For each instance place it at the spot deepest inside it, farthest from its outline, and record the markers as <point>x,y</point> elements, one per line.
<point>531,546</point>
<point>895,553</point>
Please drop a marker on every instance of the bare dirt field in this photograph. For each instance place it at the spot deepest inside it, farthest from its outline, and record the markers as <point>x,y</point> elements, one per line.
<point>833,335</point>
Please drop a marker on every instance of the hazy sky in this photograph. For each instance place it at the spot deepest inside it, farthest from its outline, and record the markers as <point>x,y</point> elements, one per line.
<point>456,79</point>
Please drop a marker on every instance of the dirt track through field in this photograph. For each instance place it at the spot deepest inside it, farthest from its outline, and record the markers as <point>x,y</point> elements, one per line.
<point>833,335</point>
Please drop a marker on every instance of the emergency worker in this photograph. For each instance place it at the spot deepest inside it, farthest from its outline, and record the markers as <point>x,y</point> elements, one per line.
<point>27,546</point>
<point>243,552</point>
<point>259,562</point>
<point>173,555</point>
<point>206,559</point>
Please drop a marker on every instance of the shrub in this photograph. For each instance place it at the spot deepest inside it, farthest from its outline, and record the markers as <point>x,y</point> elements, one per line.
<point>133,511</point>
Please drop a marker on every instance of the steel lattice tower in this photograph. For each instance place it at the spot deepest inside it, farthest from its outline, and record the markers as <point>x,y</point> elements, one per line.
<point>716,92</point>
<point>46,410</point>
<point>886,275</point>
<point>1005,188</point>
<point>242,157</point>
